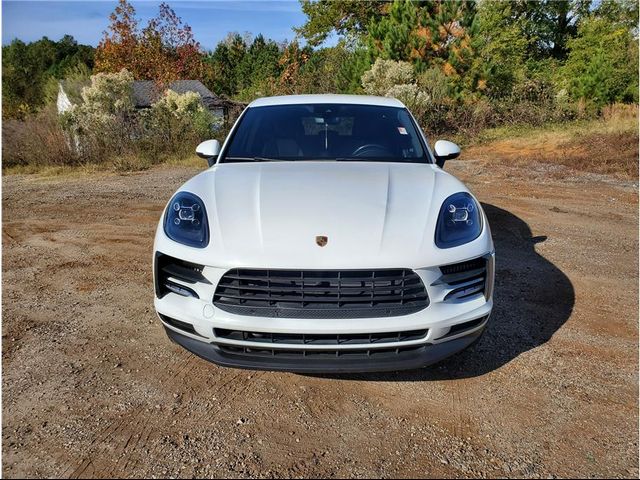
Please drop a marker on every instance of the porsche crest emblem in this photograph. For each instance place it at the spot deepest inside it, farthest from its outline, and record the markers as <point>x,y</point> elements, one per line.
<point>321,240</point>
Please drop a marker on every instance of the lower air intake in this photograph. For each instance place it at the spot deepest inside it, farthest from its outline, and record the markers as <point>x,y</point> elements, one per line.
<point>467,279</point>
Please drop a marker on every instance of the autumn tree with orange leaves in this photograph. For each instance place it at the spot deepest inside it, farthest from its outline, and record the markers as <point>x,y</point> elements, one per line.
<point>165,50</point>
<point>291,62</point>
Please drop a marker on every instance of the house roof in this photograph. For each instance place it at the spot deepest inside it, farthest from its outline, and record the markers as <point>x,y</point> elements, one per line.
<point>146,92</point>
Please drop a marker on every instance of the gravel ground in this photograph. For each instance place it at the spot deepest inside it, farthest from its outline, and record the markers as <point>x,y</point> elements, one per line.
<point>93,388</point>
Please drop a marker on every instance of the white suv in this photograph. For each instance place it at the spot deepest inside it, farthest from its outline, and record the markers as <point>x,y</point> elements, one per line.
<point>324,237</point>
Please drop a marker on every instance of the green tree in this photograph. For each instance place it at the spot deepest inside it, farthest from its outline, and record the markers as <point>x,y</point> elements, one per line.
<point>351,71</point>
<point>349,18</point>
<point>220,80</point>
<point>519,45</point>
<point>28,68</point>
<point>547,25</point>
<point>563,18</point>
<point>428,34</point>
<point>623,13</point>
<point>227,62</point>
<point>71,55</point>
<point>258,64</point>
<point>334,69</point>
<point>602,65</point>
<point>502,49</point>
<point>394,36</point>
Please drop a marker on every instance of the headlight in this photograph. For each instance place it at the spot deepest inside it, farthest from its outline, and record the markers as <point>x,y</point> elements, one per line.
<point>186,220</point>
<point>459,221</point>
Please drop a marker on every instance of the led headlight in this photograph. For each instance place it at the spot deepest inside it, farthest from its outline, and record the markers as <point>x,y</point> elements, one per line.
<point>186,220</point>
<point>459,221</point>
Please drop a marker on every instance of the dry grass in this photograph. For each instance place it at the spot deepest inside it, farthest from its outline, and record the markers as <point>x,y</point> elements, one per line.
<point>37,142</point>
<point>192,161</point>
<point>606,146</point>
<point>54,171</point>
<point>121,165</point>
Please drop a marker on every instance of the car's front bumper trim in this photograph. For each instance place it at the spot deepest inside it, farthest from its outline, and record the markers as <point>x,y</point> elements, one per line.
<point>411,358</point>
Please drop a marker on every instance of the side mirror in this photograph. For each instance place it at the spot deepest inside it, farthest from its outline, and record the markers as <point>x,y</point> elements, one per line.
<point>445,150</point>
<point>209,150</point>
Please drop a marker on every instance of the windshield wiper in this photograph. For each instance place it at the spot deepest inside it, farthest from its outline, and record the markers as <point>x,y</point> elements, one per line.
<point>383,159</point>
<point>252,159</point>
<point>370,159</point>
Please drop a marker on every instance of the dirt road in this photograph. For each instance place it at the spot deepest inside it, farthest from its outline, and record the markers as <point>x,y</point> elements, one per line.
<point>93,388</point>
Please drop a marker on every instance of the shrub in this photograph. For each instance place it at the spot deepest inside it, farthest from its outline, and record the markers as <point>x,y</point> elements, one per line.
<point>38,140</point>
<point>175,125</point>
<point>439,110</point>
<point>435,84</point>
<point>386,74</point>
<point>389,78</point>
<point>105,127</point>
<point>101,126</point>
<point>408,93</point>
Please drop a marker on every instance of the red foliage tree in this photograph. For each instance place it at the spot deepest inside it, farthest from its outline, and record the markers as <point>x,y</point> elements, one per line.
<point>165,50</point>
<point>117,49</point>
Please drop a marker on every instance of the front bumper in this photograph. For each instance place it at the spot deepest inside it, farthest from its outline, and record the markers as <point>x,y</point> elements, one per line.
<point>449,324</point>
<point>420,356</point>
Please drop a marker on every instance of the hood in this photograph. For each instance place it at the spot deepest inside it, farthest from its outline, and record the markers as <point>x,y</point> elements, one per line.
<point>373,214</point>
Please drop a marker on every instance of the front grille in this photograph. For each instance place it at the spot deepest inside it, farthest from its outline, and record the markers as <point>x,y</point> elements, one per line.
<point>375,353</point>
<point>320,339</point>
<point>466,279</point>
<point>321,293</point>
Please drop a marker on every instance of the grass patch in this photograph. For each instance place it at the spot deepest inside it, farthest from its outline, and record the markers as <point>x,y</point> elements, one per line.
<point>192,161</point>
<point>57,170</point>
<point>121,165</point>
<point>607,146</point>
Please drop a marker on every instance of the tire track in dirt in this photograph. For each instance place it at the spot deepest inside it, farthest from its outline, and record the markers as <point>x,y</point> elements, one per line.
<point>101,455</point>
<point>80,470</point>
<point>461,409</point>
<point>110,453</point>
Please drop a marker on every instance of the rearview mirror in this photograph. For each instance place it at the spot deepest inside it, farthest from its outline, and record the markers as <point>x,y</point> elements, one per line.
<point>445,150</point>
<point>209,150</point>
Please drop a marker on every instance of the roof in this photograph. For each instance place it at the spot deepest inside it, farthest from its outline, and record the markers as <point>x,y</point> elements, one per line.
<point>146,92</point>
<point>327,98</point>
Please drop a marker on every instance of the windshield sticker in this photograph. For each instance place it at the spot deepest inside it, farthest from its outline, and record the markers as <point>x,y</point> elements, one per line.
<point>402,130</point>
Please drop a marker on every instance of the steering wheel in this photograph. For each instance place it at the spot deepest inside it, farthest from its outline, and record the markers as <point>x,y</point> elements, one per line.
<point>370,148</point>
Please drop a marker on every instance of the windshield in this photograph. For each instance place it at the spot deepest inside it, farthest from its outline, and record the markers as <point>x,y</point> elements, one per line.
<point>326,132</point>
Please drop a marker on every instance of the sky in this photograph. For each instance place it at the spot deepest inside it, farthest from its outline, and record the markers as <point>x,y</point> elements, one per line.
<point>211,20</point>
